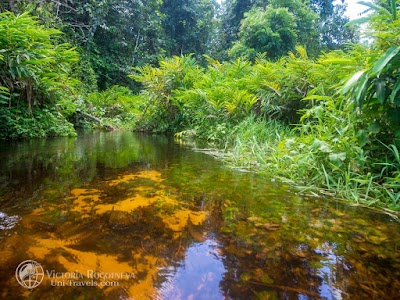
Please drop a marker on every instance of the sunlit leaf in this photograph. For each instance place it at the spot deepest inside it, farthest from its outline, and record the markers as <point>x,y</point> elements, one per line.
<point>352,81</point>
<point>376,7</point>
<point>318,97</point>
<point>338,60</point>
<point>384,60</point>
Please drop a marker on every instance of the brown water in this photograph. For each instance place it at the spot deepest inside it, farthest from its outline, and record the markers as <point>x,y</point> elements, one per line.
<point>139,217</point>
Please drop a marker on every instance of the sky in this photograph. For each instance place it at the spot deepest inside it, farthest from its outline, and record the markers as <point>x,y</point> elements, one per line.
<point>354,9</point>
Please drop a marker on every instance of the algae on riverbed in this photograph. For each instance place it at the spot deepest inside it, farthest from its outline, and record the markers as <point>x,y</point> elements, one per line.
<point>185,226</point>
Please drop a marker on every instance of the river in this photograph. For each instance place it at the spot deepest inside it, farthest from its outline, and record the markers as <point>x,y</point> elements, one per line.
<point>121,215</point>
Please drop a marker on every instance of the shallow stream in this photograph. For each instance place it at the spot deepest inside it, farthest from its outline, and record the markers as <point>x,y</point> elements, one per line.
<point>125,216</point>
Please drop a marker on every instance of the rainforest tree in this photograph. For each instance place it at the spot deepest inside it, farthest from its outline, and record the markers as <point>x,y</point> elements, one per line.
<point>272,31</point>
<point>276,30</point>
<point>111,35</point>
<point>34,73</point>
<point>188,25</point>
<point>320,31</point>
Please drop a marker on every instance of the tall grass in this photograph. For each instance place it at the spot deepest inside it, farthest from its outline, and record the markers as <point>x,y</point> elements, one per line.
<point>288,119</point>
<point>279,151</point>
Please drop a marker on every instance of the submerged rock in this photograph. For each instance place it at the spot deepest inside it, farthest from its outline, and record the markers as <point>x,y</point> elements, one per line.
<point>120,219</point>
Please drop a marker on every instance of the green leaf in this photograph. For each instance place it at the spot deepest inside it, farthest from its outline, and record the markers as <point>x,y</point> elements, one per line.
<point>50,75</point>
<point>3,89</point>
<point>375,7</point>
<point>358,21</point>
<point>394,9</point>
<point>338,60</point>
<point>352,82</point>
<point>380,87</point>
<point>361,90</point>
<point>362,137</point>
<point>374,128</point>
<point>395,151</point>
<point>384,60</point>
<point>318,97</point>
<point>35,62</point>
<point>321,146</point>
<point>395,90</point>
<point>337,158</point>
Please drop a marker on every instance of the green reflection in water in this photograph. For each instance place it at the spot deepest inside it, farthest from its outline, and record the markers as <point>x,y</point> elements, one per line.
<point>183,224</point>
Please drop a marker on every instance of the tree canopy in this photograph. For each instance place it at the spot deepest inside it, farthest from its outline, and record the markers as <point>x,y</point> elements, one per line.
<point>272,31</point>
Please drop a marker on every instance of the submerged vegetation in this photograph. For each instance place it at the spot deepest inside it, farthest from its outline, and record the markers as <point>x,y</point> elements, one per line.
<point>181,224</point>
<point>300,101</point>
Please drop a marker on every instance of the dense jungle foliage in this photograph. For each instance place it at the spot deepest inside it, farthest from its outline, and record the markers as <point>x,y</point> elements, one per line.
<point>291,88</point>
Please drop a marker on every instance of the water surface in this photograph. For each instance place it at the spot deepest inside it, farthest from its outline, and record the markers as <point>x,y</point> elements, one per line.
<point>178,224</point>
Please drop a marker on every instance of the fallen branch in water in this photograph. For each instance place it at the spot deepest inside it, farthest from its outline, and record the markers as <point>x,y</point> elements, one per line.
<point>93,118</point>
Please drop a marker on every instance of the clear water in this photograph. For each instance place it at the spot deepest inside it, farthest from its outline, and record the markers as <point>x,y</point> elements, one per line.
<point>178,224</point>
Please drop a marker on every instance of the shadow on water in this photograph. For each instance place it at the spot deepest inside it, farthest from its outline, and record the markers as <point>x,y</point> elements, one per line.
<point>126,216</point>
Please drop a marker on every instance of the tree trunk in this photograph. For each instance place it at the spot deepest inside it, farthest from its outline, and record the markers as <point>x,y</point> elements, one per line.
<point>11,5</point>
<point>29,92</point>
<point>107,126</point>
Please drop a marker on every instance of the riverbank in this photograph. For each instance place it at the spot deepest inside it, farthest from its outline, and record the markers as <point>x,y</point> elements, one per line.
<point>311,164</point>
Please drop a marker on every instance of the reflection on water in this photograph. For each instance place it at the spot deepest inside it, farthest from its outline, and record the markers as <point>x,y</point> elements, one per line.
<point>327,271</point>
<point>197,277</point>
<point>7,222</point>
<point>162,222</point>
